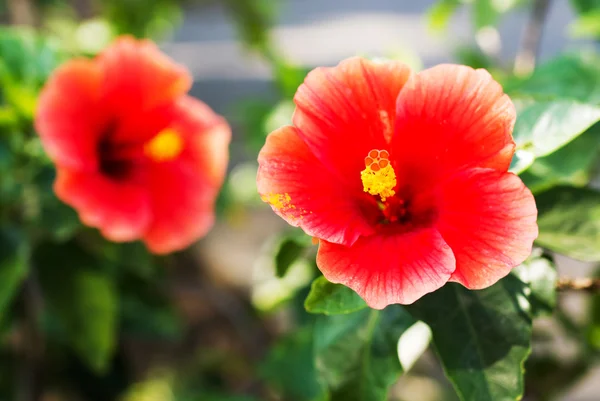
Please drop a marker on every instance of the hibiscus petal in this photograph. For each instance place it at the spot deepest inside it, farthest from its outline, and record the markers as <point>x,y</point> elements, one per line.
<point>68,114</point>
<point>389,269</point>
<point>489,220</point>
<point>140,85</point>
<point>184,190</point>
<point>450,117</point>
<point>345,111</point>
<point>121,210</point>
<point>304,193</point>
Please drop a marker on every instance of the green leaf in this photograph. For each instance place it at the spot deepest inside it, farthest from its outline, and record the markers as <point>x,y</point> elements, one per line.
<point>27,58</point>
<point>56,218</point>
<point>81,299</point>
<point>570,165</point>
<point>584,6</point>
<point>538,272</point>
<point>575,77</point>
<point>332,299</point>
<point>543,127</point>
<point>356,354</point>
<point>438,15</point>
<point>290,250</point>
<point>253,21</point>
<point>586,26</point>
<point>593,329</point>
<point>288,78</point>
<point>482,337</point>
<point>13,267</point>
<point>485,14</point>
<point>290,367</point>
<point>569,222</point>
<point>93,321</point>
<point>150,319</point>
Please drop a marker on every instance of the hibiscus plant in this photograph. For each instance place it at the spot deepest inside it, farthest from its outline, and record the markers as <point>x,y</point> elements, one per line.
<point>432,233</point>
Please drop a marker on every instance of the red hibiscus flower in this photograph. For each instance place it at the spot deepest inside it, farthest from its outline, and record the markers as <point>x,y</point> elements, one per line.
<point>135,156</point>
<point>403,177</point>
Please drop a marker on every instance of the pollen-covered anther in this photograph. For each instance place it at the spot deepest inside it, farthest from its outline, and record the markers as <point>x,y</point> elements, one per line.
<point>278,201</point>
<point>378,177</point>
<point>165,146</point>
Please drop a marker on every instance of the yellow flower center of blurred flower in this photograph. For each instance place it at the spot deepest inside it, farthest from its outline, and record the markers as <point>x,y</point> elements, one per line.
<point>165,146</point>
<point>378,177</point>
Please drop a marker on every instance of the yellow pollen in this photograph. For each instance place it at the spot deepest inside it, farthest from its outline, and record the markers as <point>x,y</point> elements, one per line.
<point>165,146</point>
<point>278,201</point>
<point>378,177</point>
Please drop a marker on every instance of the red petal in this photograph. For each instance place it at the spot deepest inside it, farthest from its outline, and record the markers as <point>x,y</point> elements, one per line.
<point>140,84</point>
<point>389,269</point>
<point>450,117</point>
<point>344,112</point>
<point>303,192</point>
<point>489,220</point>
<point>184,190</point>
<point>68,114</point>
<point>121,210</point>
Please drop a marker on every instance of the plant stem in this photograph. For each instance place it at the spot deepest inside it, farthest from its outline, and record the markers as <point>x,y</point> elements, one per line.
<point>578,284</point>
<point>530,42</point>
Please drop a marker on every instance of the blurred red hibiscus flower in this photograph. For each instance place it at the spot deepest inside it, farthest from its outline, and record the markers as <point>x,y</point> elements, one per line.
<point>403,177</point>
<point>135,156</point>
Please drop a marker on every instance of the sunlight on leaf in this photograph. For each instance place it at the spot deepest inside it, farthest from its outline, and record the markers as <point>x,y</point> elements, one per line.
<point>412,343</point>
<point>569,222</point>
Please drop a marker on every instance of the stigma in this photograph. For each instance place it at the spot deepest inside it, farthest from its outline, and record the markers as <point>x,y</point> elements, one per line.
<point>378,177</point>
<point>165,146</point>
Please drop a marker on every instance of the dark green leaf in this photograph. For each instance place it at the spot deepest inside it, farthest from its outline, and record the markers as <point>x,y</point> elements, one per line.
<point>81,299</point>
<point>6,156</point>
<point>219,397</point>
<point>253,21</point>
<point>56,218</point>
<point>289,251</point>
<point>593,330</point>
<point>332,299</point>
<point>543,127</point>
<point>290,367</point>
<point>357,353</point>
<point>569,221</point>
<point>144,319</point>
<point>539,273</point>
<point>584,6</point>
<point>482,337</point>
<point>13,266</point>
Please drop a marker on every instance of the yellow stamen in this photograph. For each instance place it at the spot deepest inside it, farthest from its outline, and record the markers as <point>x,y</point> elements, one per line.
<point>278,201</point>
<point>165,146</point>
<point>379,177</point>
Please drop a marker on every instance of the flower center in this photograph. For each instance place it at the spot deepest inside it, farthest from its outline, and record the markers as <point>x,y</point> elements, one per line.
<point>165,146</point>
<point>378,177</point>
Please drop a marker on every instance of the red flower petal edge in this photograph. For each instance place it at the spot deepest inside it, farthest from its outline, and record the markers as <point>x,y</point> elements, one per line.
<point>135,156</point>
<point>403,177</point>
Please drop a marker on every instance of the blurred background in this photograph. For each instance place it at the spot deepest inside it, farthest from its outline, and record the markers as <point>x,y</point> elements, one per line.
<point>224,321</point>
